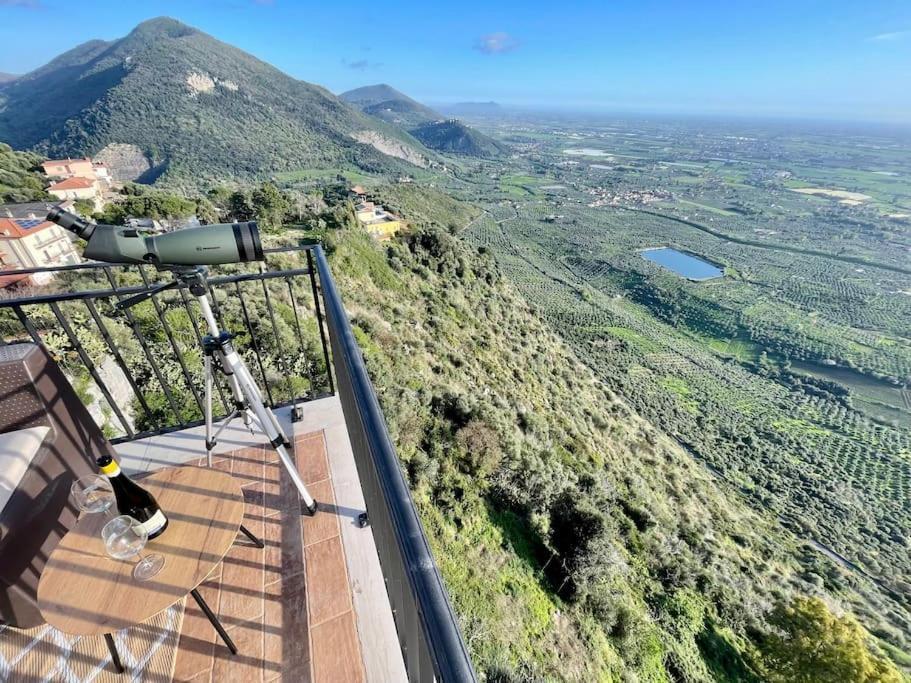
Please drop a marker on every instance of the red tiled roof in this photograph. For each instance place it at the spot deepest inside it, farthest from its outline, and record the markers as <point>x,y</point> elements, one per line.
<point>18,227</point>
<point>9,280</point>
<point>72,184</point>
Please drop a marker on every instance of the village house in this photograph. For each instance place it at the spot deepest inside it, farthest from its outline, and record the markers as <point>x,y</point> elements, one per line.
<point>78,179</point>
<point>33,243</point>
<point>76,168</point>
<point>379,223</point>
<point>78,188</point>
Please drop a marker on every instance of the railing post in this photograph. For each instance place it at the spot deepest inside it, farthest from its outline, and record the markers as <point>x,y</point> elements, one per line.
<point>319,319</point>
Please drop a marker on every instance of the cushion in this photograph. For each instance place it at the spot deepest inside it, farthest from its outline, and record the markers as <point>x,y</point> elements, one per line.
<point>17,450</point>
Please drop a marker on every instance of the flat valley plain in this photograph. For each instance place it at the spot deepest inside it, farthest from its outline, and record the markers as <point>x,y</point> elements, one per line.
<point>788,377</point>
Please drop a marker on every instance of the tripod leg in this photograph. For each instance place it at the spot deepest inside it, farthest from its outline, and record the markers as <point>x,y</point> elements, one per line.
<point>272,418</point>
<point>276,436</point>
<point>210,442</point>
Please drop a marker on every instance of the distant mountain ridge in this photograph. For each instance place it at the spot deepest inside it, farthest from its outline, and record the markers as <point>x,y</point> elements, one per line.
<point>6,78</point>
<point>431,128</point>
<point>198,109</point>
<point>385,102</point>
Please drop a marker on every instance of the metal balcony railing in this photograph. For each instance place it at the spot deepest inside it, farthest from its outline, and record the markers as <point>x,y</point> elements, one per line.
<point>296,352</point>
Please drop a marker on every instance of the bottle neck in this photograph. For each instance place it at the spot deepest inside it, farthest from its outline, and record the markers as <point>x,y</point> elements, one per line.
<point>112,470</point>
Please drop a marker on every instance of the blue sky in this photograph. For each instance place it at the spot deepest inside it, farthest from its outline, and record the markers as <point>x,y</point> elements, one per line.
<point>837,59</point>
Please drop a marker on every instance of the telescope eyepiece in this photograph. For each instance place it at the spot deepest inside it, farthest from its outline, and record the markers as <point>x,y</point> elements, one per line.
<point>71,222</point>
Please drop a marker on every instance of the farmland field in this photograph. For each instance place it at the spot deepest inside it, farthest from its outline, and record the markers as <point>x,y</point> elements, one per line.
<point>789,376</point>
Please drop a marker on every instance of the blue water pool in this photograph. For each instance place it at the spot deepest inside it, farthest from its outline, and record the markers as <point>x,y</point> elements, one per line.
<point>684,265</point>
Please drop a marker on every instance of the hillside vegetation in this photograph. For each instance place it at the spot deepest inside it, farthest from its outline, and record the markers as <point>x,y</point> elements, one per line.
<point>20,179</point>
<point>454,137</point>
<point>577,542</point>
<point>200,110</point>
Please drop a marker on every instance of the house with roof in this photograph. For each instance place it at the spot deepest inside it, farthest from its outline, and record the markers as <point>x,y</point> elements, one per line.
<point>380,223</point>
<point>78,179</point>
<point>76,168</point>
<point>78,188</point>
<point>33,243</point>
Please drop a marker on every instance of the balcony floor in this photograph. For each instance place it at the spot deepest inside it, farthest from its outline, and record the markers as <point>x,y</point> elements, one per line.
<point>311,605</point>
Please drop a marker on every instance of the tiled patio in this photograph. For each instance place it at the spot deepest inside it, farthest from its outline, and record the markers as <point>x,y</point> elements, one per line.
<point>311,605</point>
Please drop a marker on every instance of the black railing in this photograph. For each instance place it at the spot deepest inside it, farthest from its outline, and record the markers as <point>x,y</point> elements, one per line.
<point>161,384</point>
<point>427,628</point>
<point>163,374</point>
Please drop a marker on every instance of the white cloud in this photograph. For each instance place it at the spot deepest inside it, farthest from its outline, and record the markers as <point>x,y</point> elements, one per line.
<point>891,36</point>
<point>496,43</point>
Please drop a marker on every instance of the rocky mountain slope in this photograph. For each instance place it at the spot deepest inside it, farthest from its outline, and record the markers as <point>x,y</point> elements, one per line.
<point>198,109</point>
<point>428,126</point>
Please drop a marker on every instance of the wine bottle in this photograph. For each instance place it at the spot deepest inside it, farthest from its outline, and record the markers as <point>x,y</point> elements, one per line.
<point>132,499</point>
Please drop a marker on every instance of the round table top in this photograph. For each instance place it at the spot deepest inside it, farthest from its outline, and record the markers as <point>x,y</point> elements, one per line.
<point>83,591</point>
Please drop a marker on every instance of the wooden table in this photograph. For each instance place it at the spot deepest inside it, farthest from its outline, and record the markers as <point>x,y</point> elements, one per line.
<point>83,591</point>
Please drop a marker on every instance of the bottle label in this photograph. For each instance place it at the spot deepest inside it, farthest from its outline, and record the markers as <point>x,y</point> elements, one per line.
<point>154,523</point>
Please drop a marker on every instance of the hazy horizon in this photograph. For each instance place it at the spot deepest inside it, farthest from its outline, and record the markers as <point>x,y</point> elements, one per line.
<point>818,61</point>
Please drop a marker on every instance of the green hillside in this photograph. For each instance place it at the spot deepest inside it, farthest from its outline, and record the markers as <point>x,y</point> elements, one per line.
<point>577,542</point>
<point>20,179</point>
<point>455,137</point>
<point>198,109</point>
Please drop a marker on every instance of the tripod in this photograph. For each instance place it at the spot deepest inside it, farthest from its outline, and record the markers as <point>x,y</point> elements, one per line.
<point>220,355</point>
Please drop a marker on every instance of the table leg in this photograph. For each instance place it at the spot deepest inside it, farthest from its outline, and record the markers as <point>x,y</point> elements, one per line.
<point>214,621</point>
<point>112,648</point>
<point>246,532</point>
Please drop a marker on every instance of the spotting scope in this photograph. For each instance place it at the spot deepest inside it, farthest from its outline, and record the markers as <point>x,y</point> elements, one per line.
<point>204,245</point>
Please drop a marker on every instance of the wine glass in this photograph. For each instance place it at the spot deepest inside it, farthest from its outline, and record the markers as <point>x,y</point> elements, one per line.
<point>93,493</point>
<point>125,538</point>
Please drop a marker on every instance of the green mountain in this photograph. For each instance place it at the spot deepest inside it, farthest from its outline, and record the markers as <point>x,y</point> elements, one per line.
<point>581,542</point>
<point>455,137</point>
<point>386,103</point>
<point>192,110</point>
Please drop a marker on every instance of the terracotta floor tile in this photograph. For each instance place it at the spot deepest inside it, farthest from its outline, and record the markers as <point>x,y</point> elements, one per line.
<point>247,665</point>
<point>327,580</point>
<point>194,651</point>
<point>268,598</point>
<point>336,651</point>
<point>324,524</point>
<point>272,474</point>
<point>254,501</point>
<point>247,465</point>
<point>291,547</point>
<point>286,647</point>
<point>272,555</point>
<point>312,462</point>
<point>242,577</point>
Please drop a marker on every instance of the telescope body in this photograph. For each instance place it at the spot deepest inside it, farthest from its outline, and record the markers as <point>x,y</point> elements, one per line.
<point>198,246</point>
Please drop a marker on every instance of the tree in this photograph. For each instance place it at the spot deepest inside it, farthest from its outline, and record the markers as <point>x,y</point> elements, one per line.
<point>240,206</point>
<point>270,206</point>
<point>84,207</point>
<point>812,644</point>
